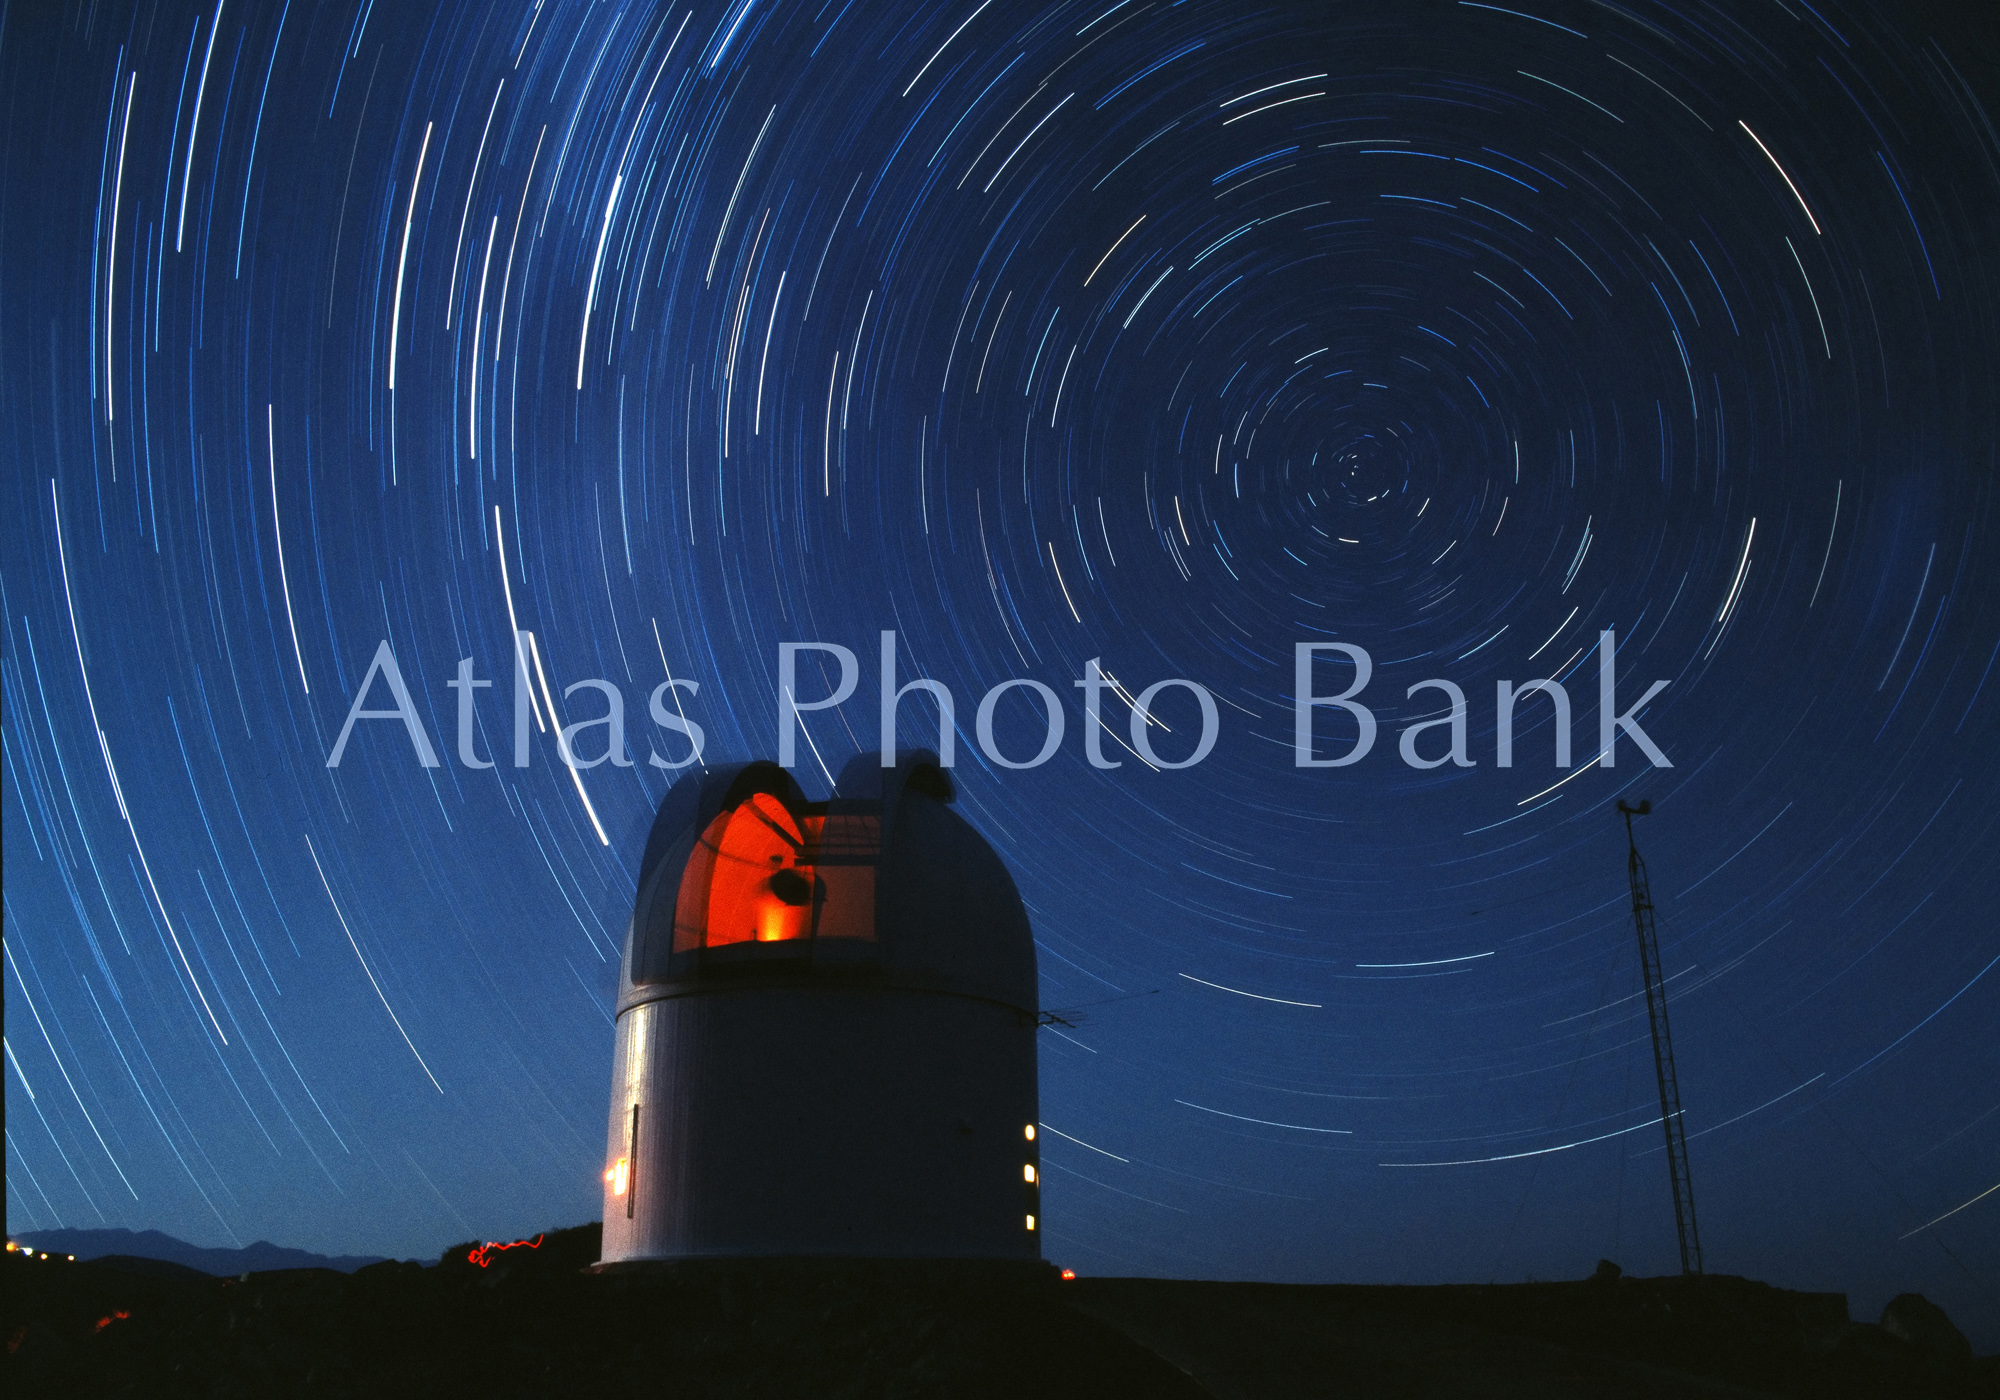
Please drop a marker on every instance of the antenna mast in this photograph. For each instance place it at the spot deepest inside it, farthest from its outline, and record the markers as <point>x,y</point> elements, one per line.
<point>1663,1046</point>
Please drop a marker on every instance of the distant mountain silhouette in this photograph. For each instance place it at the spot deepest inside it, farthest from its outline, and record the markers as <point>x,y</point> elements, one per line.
<point>152,1268</point>
<point>153,1244</point>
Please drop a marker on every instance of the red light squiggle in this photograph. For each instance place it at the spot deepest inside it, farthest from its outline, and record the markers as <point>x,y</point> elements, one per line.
<point>103,1322</point>
<point>483,1256</point>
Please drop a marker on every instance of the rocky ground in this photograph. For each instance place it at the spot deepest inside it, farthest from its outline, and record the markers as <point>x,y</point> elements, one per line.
<point>532,1322</point>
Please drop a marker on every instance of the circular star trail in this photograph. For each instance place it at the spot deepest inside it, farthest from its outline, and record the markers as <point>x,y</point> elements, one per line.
<point>626,343</point>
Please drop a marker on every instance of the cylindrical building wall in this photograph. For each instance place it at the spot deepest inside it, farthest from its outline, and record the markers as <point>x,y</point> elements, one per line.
<point>823,1119</point>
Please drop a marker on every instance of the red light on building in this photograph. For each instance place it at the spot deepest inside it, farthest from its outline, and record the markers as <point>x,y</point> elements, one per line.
<point>762,872</point>
<point>759,885</point>
<point>1069,1273</point>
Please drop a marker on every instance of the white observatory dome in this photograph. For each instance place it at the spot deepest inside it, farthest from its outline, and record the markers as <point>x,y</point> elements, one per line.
<point>825,1029</point>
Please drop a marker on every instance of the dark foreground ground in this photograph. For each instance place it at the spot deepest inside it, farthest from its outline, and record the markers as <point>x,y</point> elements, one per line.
<point>532,1323</point>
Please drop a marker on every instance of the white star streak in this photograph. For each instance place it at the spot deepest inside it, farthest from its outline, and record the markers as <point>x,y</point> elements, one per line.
<point>364,965</point>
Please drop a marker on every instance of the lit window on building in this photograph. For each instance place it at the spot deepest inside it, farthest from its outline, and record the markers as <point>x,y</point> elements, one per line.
<point>762,873</point>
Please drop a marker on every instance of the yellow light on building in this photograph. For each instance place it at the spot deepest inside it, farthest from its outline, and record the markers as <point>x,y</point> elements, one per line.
<point>620,1176</point>
<point>1030,1132</point>
<point>1031,1222</point>
<point>1028,1171</point>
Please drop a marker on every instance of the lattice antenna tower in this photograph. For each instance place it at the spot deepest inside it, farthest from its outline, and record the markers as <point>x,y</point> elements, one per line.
<point>1663,1046</point>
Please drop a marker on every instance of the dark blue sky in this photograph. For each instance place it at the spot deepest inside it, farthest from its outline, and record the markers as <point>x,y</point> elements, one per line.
<point>1173,335</point>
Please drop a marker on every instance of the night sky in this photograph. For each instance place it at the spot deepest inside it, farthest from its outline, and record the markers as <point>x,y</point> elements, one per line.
<point>1168,334</point>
